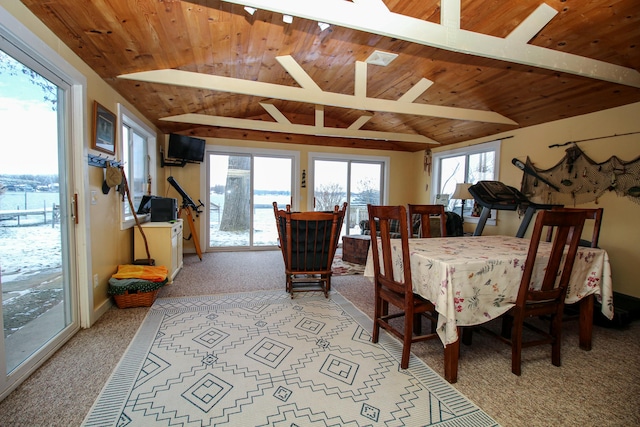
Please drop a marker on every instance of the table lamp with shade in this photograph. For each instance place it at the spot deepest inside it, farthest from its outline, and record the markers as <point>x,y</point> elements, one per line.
<point>462,193</point>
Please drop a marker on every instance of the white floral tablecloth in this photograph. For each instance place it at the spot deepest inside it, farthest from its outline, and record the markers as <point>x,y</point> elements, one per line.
<point>472,280</point>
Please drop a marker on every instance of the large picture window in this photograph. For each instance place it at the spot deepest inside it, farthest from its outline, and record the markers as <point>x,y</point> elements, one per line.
<point>464,165</point>
<point>357,180</point>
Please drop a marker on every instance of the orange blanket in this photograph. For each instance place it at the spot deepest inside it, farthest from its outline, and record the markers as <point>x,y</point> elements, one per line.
<point>143,272</point>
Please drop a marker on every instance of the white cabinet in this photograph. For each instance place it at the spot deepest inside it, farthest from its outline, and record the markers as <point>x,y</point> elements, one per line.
<point>165,245</point>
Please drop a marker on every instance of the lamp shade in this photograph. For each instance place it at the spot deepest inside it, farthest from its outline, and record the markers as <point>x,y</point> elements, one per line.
<point>462,192</point>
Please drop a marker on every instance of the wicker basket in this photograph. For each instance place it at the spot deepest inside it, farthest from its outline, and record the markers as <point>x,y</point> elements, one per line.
<point>136,299</point>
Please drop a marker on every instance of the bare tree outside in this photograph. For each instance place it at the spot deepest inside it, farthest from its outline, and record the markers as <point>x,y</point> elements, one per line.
<point>367,191</point>
<point>451,178</point>
<point>329,195</point>
<point>12,67</point>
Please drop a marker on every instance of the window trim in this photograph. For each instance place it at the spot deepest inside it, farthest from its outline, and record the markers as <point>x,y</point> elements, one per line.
<point>467,151</point>
<point>127,117</point>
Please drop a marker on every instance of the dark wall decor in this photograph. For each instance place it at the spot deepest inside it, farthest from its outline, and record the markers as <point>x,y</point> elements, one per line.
<point>104,129</point>
<point>577,179</point>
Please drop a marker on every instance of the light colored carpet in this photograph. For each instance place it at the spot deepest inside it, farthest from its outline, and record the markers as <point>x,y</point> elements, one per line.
<point>596,388</point>
<point>263,359</point>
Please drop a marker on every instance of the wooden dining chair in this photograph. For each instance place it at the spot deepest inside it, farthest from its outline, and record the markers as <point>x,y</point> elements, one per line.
<point>547,299</point>
<point>584,307</point>
<point>426,212</point>
<point>396,291</point>
<point>594,214</point>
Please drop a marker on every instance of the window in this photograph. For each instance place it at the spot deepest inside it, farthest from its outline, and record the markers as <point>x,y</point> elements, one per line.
<point>467,164</point>
<point>357,180</point>
<point>138,159</point>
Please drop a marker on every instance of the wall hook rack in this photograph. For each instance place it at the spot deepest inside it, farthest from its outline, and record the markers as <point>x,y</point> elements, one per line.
<point>101,162</point>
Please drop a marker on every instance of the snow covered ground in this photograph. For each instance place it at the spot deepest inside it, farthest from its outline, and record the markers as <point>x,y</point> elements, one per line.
<point>31,272</point>
<point>28,250</point>
<point>31,263</point>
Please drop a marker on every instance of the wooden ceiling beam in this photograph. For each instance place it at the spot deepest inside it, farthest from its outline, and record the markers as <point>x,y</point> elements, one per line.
<point>361,121</point>
<point>311,95</point>
<point>299,75</point>
<point>365,16</point>
<point>275,113</point>
<point>319,112</point>
<point>450,13</point>
<point>288,138</point>
<point>372,4</point>
<point>360,87</point>
<point>417,90</point>
<point>287,127</point>
<point>532,25</point>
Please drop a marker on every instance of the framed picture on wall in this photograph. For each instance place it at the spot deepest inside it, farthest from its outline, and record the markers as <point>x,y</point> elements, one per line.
<point>104,129</point>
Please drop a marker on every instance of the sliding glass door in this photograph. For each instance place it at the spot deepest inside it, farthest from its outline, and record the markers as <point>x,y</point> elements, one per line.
<point>355,181</point>
<point>36,229</point>
<point>242,189</point>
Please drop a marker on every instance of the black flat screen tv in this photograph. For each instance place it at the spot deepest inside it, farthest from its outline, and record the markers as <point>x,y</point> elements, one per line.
<point>186,148</point>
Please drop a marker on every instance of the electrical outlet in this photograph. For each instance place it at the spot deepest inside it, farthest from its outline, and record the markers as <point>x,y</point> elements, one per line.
<point>96,282</point>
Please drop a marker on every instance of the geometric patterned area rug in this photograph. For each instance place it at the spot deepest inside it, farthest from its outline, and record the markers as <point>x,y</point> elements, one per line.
<point>339,267</point>
<point>264,359</point>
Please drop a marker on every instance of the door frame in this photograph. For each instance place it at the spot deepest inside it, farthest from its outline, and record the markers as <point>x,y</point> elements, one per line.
<point>228,149</point>
<point>83,315</point>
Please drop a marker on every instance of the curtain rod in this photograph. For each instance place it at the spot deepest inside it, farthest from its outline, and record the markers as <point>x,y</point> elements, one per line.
<point>592,139</point>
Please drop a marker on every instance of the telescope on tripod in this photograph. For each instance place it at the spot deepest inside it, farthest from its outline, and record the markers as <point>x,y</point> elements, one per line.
<point>186,200</point>
<point>187,205</point>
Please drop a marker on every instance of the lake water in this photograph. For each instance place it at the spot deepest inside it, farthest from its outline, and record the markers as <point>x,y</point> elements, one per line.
<point>28,200</point>
<point>265,232</point>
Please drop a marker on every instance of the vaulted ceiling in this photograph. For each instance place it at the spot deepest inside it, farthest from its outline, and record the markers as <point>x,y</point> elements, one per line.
<point>464,69</point>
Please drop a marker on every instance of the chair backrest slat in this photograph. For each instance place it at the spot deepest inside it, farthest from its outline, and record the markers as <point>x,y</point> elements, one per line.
<point>308,240</point>
<point>425,212</point>
<point>380,218</point>
<point>568,226</point>
<point>594,214</point>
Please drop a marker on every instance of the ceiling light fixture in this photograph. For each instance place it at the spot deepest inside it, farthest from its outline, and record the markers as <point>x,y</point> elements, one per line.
<point>381,58</point>
<point>287,19</point>
<point>250,10</point>
<point>323,26</point>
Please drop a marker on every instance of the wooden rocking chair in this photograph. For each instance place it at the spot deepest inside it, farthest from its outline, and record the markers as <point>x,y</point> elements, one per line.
<point>308,241</point>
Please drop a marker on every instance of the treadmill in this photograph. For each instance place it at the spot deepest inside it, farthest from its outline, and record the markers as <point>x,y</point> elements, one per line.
<point>496,195</point>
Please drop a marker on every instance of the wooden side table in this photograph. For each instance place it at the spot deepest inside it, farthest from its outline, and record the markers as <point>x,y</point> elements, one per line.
<point>355,248</point>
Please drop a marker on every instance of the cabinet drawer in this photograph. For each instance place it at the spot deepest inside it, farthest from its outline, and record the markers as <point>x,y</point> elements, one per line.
<point>177,228</point>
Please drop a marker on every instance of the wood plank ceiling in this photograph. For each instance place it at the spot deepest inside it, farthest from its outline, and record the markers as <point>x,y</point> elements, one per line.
<point>219,38</point>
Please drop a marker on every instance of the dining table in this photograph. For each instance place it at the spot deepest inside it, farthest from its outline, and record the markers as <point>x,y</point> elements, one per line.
<point>474,279</point>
